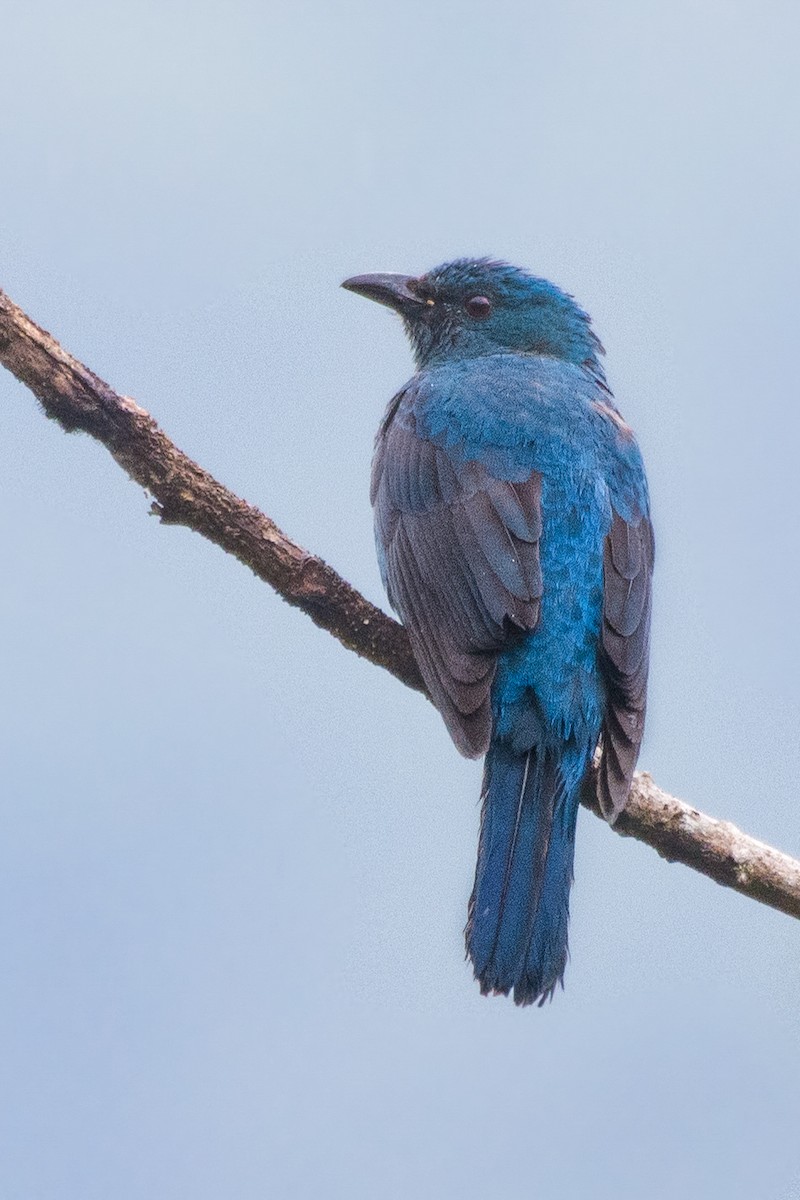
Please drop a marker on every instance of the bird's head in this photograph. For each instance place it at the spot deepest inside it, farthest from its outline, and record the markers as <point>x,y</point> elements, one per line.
<point>475,306</point>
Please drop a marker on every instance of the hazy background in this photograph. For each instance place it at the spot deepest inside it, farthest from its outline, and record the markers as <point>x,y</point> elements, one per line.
<point>234,858</point>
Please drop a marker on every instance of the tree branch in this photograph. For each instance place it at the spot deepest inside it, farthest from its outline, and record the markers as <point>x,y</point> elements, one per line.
<point>185,494</point>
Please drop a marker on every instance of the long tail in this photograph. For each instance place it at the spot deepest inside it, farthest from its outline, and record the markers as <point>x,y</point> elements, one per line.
<point>519,910</point>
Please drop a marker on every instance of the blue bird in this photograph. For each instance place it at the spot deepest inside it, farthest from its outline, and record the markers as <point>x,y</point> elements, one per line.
<point>514,539</point>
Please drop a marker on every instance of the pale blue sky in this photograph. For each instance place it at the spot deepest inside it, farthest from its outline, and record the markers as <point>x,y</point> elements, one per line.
<point>235,859</point>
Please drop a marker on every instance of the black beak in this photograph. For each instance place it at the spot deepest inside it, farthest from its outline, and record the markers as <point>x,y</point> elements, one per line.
<point>395,291</point>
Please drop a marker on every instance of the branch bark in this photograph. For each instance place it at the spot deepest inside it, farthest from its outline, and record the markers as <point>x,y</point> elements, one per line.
<point>185,494</point>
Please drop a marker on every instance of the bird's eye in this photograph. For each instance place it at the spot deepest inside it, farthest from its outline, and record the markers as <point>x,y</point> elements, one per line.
<point>478,307</point>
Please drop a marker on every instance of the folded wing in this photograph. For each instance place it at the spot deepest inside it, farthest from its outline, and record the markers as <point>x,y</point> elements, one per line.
<point>460,554</point>
<point>627,571</point>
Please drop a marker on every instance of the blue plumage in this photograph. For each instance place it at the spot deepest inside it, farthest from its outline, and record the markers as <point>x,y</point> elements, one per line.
<point>514,539</point>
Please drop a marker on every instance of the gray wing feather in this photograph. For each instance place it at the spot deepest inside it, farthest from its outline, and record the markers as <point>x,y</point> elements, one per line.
<point>460,554</point>
<point>627,591</point>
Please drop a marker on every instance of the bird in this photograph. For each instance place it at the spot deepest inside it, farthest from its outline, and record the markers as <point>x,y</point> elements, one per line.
<point>514,539</point>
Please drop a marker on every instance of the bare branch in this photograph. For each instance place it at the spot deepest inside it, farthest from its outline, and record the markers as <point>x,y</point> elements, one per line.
<point>185,494</point>
<point>715,848</point>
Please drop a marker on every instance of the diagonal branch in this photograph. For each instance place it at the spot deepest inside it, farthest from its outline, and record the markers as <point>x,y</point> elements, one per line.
<point>185,494</point>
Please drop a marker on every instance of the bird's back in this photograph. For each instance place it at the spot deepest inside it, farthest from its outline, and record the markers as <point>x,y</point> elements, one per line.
<point>514,415</point>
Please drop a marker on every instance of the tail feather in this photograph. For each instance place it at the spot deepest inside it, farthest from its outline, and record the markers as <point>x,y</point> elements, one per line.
<point>519,909</point>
